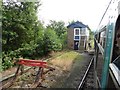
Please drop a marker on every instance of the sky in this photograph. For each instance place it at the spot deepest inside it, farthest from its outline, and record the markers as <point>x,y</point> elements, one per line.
<point>88,12</point>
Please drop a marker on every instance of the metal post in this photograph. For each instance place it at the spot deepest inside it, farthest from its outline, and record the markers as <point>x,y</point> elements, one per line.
<point>95,61</point>
<point>107,56</point>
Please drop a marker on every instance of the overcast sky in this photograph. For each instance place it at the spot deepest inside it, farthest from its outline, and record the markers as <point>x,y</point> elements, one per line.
<point>87,11</point>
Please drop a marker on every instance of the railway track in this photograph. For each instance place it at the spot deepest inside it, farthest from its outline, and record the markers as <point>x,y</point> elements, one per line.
<point>7,82</point>
<point>30,78</point>
<point>9,79</point>
<point>87,81</point>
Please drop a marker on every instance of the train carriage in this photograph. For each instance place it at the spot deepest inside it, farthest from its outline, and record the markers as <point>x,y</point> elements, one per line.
<point>107,48</point>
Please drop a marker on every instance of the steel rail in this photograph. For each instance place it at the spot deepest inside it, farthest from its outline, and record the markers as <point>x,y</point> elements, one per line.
<point>11,78</point>
<point>85,75</point>
<point>38,79</point>
<point>12,75</point>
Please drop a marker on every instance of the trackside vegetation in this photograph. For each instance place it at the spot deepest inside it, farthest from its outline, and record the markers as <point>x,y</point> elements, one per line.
<point>24,36</point>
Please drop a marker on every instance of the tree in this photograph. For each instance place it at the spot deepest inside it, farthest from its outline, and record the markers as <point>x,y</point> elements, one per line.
<point>18,24</point>
<point>71,22</point>
<point>51,41</point>
<point>61,31</point>
<point>25,36</point>
<point>58,27</point>
<point>19,30</point>
<point>91,35</point>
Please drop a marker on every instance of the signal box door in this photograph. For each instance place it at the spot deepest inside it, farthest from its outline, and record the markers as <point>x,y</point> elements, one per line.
<point>76,43</point>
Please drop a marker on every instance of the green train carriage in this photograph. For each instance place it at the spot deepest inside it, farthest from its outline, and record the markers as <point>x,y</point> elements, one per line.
<point>107,48</point>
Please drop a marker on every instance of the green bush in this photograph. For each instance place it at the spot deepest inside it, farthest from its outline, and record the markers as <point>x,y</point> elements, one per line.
<point>63,39</point>
<point>51,41</point>
<point>27,40</point>
<point>6,61</point>
<point>40,43</point>
<point>0,62</point>
<point>28,50</point>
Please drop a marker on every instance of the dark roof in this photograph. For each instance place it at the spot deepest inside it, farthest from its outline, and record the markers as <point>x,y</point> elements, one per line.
<point>77,25</point>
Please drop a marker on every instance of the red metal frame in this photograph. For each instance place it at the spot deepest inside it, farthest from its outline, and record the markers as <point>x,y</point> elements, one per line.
<point>38,63</point>
<point>39,76</point>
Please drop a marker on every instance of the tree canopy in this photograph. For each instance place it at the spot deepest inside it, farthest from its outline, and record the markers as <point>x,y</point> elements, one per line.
<point>23,35</point>
<point>58,27</point>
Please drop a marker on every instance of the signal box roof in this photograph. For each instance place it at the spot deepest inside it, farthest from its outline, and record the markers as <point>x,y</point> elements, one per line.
<point>77,25</point>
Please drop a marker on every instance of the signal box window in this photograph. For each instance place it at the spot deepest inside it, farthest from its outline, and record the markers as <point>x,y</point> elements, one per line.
<point>76,31</point>
<point>77,37</point>
<point>82,31</point>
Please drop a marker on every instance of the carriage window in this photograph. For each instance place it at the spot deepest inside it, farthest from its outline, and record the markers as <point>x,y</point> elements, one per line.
<point>116,49</point>
<point>103,38</point>
<point>117,62</point>
<point>118,39</point>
